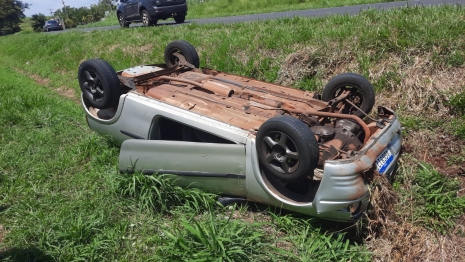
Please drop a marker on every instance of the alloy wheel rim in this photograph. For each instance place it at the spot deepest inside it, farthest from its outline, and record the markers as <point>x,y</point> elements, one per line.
<point>280,152</point>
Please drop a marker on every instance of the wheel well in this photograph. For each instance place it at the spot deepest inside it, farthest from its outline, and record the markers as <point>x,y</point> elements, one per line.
<point>141,9</point>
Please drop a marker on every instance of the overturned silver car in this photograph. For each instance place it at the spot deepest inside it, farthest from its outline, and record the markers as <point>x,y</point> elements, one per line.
<point>242,138</point>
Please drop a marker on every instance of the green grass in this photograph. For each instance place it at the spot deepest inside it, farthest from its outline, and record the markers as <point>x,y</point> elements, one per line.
<point>26,26</point>
<point>214,239</point>
<point>62,197</point>
<point>45,149</point>
<point>436,199</point>
<point>219,8</point>
<point>254,49</point>
<point>457,106</point>
<point>457,102</point>
<point>161,194</point>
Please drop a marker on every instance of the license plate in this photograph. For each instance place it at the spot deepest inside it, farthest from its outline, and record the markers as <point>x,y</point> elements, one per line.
<point>384,160</point>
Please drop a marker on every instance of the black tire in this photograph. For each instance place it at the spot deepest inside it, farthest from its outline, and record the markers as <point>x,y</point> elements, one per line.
<point>99,83</point>
<point>183,47</point>
<point>180,19</point>
<point>362,92</point>
<point>122,20</point>
<point>146,19</point>
<point>287,148</point>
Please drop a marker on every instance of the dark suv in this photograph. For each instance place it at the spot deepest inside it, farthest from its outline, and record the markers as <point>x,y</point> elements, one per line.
<point>52,25</point>
<point>150,11</point>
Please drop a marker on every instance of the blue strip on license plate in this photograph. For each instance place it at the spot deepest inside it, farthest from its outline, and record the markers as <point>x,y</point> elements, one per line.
<point>384,160</point>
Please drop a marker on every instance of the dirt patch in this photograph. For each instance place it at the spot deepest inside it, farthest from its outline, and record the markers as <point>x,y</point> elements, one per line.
<point>422,91</point>
<point>39,80</point>
<point>137,51</point>
<point>112,48</point>
<point>62,91</point>
<point>441,164</point>
<point>297,66</point>
<point>308,62</point>
<point>392,237</point>
<point>443,151</point>
<point>405,242</point>
<point>67,92</point>
<point>250,217</point>
<point>382,205</point>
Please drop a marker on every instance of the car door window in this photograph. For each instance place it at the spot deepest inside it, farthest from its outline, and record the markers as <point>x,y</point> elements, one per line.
<point>166,129</point>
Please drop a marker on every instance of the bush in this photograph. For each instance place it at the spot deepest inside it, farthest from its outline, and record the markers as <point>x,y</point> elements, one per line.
<point>457,103</point>
<point>38,21</point>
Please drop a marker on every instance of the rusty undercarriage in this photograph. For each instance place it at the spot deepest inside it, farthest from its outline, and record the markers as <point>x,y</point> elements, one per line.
<point>248,103</point>
<point>242,137</point>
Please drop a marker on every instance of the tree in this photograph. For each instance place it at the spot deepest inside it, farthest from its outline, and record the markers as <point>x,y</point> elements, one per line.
<point>38,21</point>
<point>108,4</point>
<point>83,15</point>
<point>11,15</point>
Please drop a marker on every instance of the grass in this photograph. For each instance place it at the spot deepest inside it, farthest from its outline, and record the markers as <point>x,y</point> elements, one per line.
<point>457,106</point>
<point>457,102</point>
<point>436,194</point>
<point>161,194</point>
<point>214,239</point>
<point>26,26</point>
<point>43,152</point>
<point>219,8</point>
<point>62,197</point>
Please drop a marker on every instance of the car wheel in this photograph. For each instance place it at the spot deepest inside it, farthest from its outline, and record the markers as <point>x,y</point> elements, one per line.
<point>99,83</point>
<point>184,48</point>
<point>145,17</point>
<point>122,20</point>
<point>180,19</point>
<point>287,148</point>
<point>362,93</point>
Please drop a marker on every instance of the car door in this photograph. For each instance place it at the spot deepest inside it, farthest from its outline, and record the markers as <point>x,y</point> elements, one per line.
<point>213,167</point>
<point>131,9</point>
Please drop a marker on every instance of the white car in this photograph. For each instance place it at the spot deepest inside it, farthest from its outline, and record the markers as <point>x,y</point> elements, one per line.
<point>242,138</point>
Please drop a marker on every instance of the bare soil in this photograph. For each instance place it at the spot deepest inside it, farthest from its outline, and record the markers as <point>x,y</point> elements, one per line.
<point>64,91</point>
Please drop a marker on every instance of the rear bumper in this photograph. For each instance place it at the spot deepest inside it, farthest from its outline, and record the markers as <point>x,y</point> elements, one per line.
<point>54,28</point>
<point>164,12</point>
<point>343,193</point>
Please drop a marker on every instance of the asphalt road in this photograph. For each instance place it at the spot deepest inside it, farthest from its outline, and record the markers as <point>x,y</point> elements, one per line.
<point>350,10</point>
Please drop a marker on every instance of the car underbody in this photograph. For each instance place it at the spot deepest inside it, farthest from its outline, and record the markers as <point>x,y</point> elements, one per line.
<point>272,144</point>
